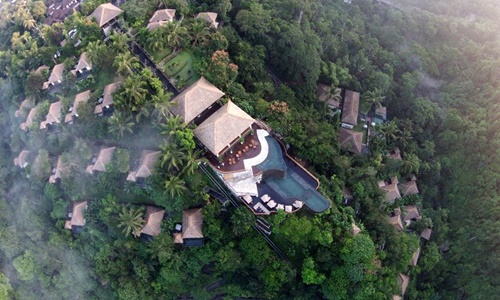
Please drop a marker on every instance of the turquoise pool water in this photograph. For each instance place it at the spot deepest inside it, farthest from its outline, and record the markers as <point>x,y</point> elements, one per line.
<point>293,185</point>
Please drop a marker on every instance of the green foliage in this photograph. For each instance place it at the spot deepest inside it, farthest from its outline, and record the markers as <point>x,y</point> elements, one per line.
<point>25,266</point>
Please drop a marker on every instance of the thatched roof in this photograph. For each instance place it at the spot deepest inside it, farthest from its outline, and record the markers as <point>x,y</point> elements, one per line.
<point>160,17</point>
<point>56,75</point>
<point>59,168</point>
<point>77,218</point>
<point>195,99</point>
<point>396,297</point>
<point>178,238</point>
<point>40,69</point>
<point>29,119</point>
<point>146,165</point>
<point>105,13</point>
<point>409,187</point>
<point>426,234</point>
<point>355,229</point>
<point>82,97</point>
<point>414,258</point>
<point>403,281</point>
<point>347,193</point>
<point>26,105</point>
<point>351,140</point>
<point>392,191</point>
<point>411,212</point>
<point>53,116</point>
<point>192,223</point>
<point>223,127</point>
<point>350,108</point>
<point>394,154</point>
<point>396,222</point>
<point>22,159</point>
<point>84,64</point>
<point>104,158</point>
<point>154,216</point>
<point>107,96</point>
<point>210,17</point>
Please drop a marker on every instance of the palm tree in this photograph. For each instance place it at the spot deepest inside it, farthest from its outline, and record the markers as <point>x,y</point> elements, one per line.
<point>125,63</point>
<point>119,124</point>
<point>173,124</point>
<point>199,33</point>
<point>162,103</point>
<point>175,34</point>
<point>172,157</point>
<point>134,92</point>
<point>119,41</point>
<point>191,163</point>
<point>175,186</point>
<point>94,50</point>
<point>390,131</point>
<point>156,39</point>
<point>411,164</point>
<point>374,98</point>
<point>131,221</point>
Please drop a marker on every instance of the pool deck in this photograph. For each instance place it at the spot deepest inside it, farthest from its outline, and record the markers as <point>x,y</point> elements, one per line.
<point>268,170</point>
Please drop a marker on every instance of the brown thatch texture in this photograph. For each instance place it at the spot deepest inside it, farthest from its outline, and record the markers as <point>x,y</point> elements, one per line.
<point>210,17</point>
<point>79,98</point>
<point>351,140</point>
<point>195,99</point>
<point>53,116</point>
<point>223,127</point>
<point>192,223</point>
<point>350,108</point>
<point>154,216</point>
<point>146,165</point>
<point>105,13</point>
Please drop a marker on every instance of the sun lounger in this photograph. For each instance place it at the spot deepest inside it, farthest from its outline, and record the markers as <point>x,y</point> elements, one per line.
<point>280,206</point>
<point>288,208</point>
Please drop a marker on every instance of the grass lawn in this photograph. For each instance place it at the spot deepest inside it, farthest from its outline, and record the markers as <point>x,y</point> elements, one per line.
<point>160,54</point>
<point>180,69</point>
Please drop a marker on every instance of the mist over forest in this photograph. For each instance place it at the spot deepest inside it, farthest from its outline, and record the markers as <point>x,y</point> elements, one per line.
<point>89,97</point>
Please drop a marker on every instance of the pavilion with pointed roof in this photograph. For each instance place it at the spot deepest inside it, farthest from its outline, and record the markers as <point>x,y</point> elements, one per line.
<point>350,109</point>
<point>146,166</point>
<point>161,17</point>
<point>351,140</point>
<point>409,187</point>
<point>80,98</point>
<point>224,128</point>
<point>194,100</point>
<point>105,14</point>
<point>57,170</point>
<point>104,158</point>
<point>29,119</point>
<point>22,159</point>
<point>152,226</point>
<point>53,116</point>
<point>83,67</point>
<point>76,219</point>
<point>106,105</point>
<point>391,189</point>
<point>192,225</point>
<point>55,78</point>
<point>210,17</point>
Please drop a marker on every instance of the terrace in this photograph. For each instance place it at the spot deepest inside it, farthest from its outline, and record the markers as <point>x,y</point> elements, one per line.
<point>266,178</point>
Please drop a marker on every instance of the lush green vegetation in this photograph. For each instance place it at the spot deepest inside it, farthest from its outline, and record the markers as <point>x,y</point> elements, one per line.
<point>434,64</point>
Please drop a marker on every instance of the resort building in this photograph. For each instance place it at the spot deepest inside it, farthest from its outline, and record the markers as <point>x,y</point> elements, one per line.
<point>79,99</point>
<point>29,119</point>
<point>105,15</point>
<point>146,166</point>
<point>411,214</point>
<point>394,154</point>
<point>56,172</point>
<point>83,66</point>
<point>426,234</point>
<point>76,218</point>
<point>53,116</point>
<point>196,102</point>
<point>152,226</point>
<point>326,94</point>
<point>58,10</point>
<point>210,17</point>
<point>105,105</point>
<point>101,161</point>
<point>409,187</point>
<point>191,233</point>
<point>161,17</point>
<point>415,257</point>
<point>55,78</point>
<point>350,109</point>
<point>351,141</point>
<point>24,108</point>
<point>403,282</point>
<point>390,187</point>
<point>22,159</point>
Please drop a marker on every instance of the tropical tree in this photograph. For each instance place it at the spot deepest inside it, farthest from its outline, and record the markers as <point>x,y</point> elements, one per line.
<point>120,123</point>
<point>125,63</point>
<point>172,125</point>
<point>172,157</point>
<point>162,104</point>
<point>199,33</point>
<point>131,221</point>
<point>175,186</point>
<point>156,39</point>
<point>411,164</point>
<point>374,98</point>
<point>191,163</point>
<point>119,41</point>
<point>389,131</point>
<point>133,95</point>
<point>242,221</point>
<point>175,34</point>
